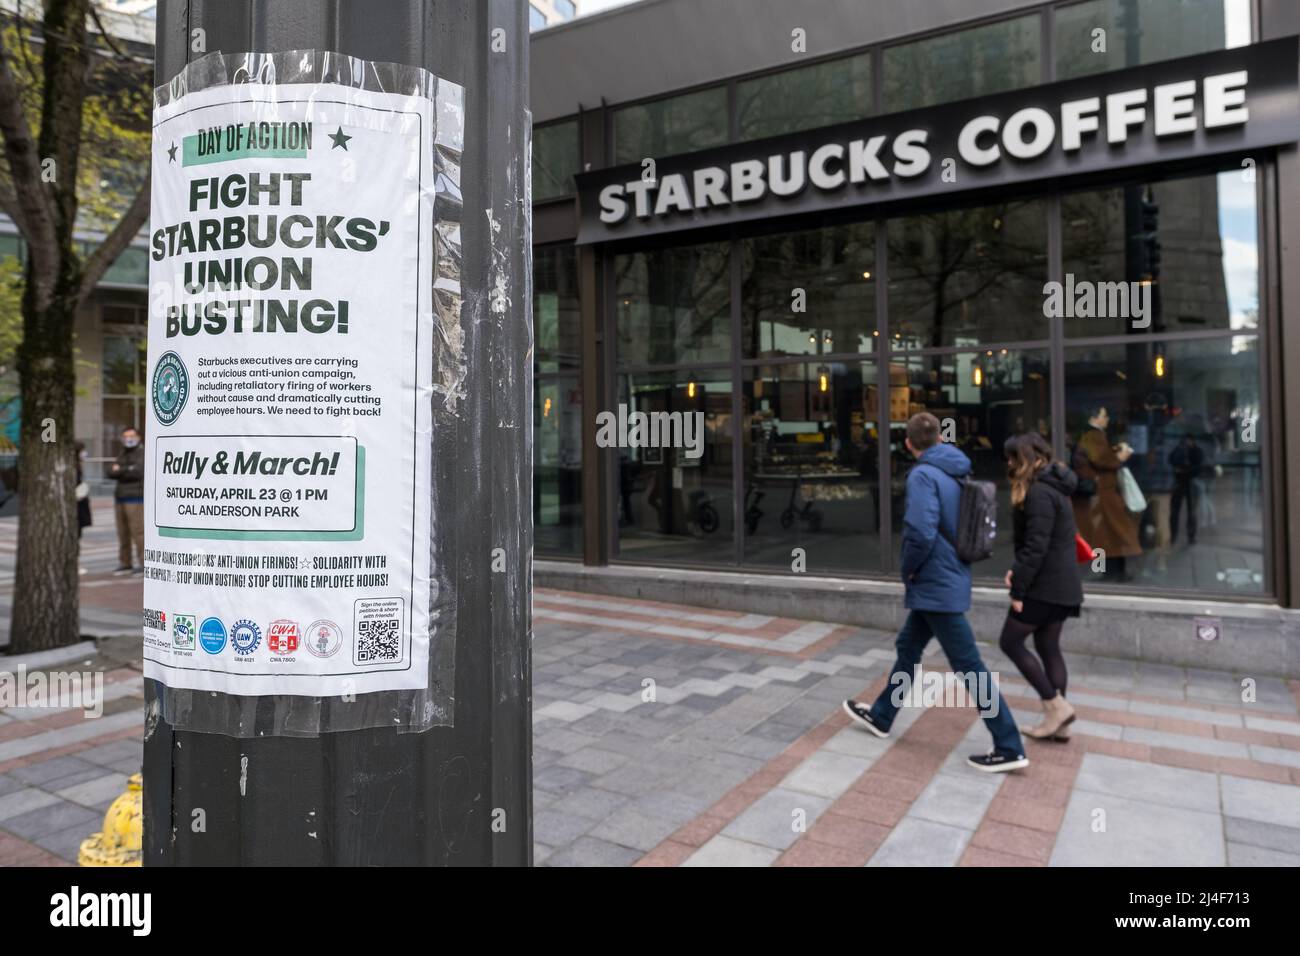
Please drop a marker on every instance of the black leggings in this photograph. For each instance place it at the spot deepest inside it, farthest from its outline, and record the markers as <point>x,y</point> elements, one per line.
<point>1047,677</point>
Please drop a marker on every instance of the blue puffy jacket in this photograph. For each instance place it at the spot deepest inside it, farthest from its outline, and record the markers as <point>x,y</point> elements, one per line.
<point>936,579</point>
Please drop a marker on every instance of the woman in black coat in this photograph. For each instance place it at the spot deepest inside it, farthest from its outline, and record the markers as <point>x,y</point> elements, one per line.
<point>1044,582</point>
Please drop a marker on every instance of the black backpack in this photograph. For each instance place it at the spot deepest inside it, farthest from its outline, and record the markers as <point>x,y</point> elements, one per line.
<point>977,519</point>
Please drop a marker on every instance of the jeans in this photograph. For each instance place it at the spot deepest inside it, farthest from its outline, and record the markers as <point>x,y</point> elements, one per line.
<point>958,644</point>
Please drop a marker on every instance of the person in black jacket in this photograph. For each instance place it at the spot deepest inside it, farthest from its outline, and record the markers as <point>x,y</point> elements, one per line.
<point>1044,582</point>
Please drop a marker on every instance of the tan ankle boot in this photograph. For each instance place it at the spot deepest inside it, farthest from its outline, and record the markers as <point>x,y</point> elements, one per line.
<point>1057,714</point>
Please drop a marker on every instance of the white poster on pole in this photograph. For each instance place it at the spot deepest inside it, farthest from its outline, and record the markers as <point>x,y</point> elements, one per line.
<point>287,526</point>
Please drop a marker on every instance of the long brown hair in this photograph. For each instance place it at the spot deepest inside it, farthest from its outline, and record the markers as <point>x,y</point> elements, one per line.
<point>1027,455</point>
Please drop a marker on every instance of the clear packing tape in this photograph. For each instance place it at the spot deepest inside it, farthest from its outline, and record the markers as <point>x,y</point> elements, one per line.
<point>412,710</point>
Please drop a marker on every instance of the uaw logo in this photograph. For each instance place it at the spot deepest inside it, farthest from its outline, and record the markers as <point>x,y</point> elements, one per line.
<point>171,386</point>
<point>324,638</point>
<point>282,638</point>
<point>155,620</point>
<point>245,636</point>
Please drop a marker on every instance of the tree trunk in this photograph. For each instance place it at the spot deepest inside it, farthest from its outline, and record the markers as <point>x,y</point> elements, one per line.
<point>46,611</point>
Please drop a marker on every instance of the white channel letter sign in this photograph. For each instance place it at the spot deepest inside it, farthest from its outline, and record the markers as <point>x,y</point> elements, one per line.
<point>287,532</point>
<point>1029,133</point>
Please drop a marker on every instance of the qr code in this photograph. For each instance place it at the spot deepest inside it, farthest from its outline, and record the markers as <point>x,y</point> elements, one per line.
<point>378,640</point>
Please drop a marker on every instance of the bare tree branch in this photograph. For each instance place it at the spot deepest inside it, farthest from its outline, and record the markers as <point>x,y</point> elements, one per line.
<point>36,215</point>
<point>99,24</point>
<point>136,215</point>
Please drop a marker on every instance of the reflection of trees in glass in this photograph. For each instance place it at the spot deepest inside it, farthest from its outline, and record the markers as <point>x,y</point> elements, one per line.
<point>988,59</point>
<point>673,305</point>
<point>968,276</point>
<point>677,124</point>
<point>820,95</point>
<point>1136,32</point>
<point>839,298</point>
<point>555,160</point>
<point>1167,232</point>
<point>556,311</point>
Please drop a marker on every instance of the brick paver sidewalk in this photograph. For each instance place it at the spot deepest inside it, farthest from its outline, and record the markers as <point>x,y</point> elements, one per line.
<point>669,735</point>
<point>743,757</point>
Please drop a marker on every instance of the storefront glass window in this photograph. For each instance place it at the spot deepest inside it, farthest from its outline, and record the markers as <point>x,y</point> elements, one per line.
<point>678,124</point>
<point>557,402</point>
<point>1171,256</point>
<point>968,277</point>
<point>1190,411</point>
<point>812,466</point>
<point>122,376</point>
<point>1104,35</point>
<point>555,160</point>
<point>831,307</point>
<point>981,399</point>
<point>557,465</point>
<point>130,268</point>
<point>672,306</point>
<point>823,94</point>
<point>955,66</point>
<point>557,319</point>
<point>674,503</point>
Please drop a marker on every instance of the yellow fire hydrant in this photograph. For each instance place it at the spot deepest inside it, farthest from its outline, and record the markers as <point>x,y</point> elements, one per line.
<point>119,842</point>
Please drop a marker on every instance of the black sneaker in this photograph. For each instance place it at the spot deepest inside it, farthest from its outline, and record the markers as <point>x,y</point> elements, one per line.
<point>994,762</point>
<point>862,717</point>
<point>122,569</point>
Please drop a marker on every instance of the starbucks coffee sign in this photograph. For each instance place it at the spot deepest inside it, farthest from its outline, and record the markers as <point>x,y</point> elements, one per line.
<point>1233,101</point>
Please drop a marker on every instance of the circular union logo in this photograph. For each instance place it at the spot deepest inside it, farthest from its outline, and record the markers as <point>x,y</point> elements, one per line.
<point>171,386</point>
<point>212,635</point>
<point>324,638</point>
<point>245,636</point>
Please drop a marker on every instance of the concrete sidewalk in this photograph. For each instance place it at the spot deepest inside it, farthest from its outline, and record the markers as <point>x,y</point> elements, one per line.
<point>669,735</point>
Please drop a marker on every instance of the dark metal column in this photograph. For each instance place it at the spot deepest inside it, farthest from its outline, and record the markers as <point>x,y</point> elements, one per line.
<point>377,796</point>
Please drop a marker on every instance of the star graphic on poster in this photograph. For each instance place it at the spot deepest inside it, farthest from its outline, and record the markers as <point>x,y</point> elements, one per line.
<point>171,153</point>
<point>339,139</point>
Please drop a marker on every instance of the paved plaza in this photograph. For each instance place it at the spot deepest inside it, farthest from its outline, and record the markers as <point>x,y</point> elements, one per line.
<point>670,735</point>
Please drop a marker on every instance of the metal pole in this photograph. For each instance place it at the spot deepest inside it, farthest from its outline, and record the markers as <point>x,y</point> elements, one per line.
<point>457,795</point>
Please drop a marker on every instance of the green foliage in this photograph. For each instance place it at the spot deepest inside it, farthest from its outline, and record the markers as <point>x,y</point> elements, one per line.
<point>115,131</point>
<point>11,313</point>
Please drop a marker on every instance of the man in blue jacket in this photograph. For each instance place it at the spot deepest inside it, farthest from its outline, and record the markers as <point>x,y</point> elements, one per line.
<point>937,586</point>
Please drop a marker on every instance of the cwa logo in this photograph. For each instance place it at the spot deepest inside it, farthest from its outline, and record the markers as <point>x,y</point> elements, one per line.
<point>75,909</point>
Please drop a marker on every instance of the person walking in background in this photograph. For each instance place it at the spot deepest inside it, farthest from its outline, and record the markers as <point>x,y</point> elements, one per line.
<point>1158,486</point>
<point>84,518</point>
<point>1187,460</point>
<point>937,596</point>
<point>1102,517</point>
<point>1043,580</point>
<point>128,501</point>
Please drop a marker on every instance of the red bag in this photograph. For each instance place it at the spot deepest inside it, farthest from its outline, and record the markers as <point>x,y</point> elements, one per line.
<point>1082,549</point>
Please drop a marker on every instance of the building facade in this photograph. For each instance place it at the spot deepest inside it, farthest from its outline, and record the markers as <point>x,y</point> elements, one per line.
<point>545,13</point>
<point>717,230</point>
